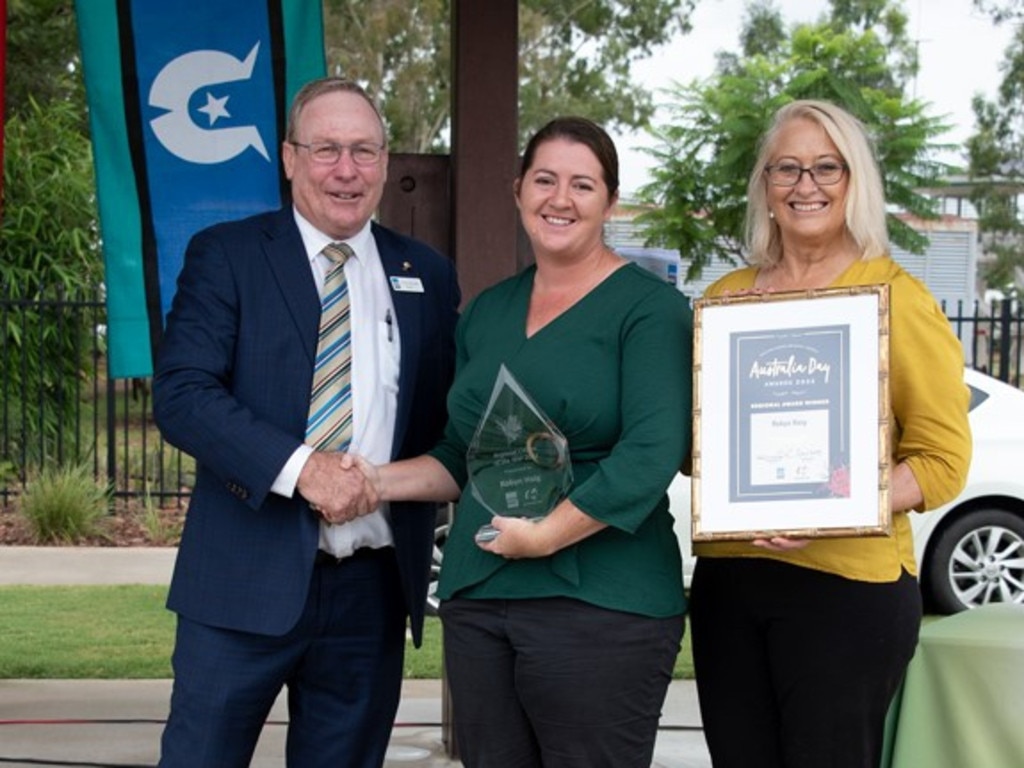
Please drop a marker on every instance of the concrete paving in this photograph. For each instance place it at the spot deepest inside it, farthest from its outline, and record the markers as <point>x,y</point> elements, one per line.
<point>117,723</point>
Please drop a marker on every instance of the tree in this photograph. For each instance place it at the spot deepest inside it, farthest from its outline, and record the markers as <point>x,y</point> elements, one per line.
<point>48,236</point>
<point>50,250</point>
<point>1002,10</point>
<point>400,52</point>
<point>858,57</point>
<point>996,157</point>
<point>42,57</point>
<point>574,58</point>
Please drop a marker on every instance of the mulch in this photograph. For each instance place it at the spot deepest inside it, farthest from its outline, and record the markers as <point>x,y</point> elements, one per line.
<point>121,528</point>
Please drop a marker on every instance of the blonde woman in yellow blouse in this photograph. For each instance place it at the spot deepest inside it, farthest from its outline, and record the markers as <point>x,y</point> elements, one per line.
<point>800,645</point>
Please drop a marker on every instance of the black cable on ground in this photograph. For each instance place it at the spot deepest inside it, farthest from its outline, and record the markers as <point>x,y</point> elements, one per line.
<point>71,763</point>
<point>160,721</point>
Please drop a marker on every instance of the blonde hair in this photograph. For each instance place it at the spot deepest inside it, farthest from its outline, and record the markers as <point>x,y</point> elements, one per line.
<point>865,199</point>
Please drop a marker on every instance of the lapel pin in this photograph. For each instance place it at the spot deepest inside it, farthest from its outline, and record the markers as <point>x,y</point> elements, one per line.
<point>406,266</point>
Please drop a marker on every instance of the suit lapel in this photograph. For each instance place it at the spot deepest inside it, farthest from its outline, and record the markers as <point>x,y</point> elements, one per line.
<point>286,257</point>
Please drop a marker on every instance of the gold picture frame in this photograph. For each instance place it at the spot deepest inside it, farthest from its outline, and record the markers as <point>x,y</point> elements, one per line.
<point>791,432</point>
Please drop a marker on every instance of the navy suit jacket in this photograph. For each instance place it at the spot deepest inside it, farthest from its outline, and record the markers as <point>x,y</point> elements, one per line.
<point>233,377</point>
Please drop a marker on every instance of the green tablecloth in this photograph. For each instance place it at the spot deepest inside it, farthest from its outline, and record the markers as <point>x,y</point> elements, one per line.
<point>962,704</point>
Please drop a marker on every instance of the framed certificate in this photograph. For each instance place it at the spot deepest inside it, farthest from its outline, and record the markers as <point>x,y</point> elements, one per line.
<point>791,415</point>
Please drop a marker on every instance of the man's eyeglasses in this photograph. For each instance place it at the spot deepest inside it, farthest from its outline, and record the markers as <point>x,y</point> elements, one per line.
<point>824,174</point>
<point>328,153</point>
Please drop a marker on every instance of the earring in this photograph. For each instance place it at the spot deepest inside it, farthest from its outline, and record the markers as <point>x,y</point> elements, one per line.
<point>771,214</point>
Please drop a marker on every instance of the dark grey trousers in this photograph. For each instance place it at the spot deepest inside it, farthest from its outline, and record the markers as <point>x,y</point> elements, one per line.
<point>556,683</point>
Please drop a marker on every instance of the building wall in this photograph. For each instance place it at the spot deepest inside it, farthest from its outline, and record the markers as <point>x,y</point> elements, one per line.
<point>948,266</point>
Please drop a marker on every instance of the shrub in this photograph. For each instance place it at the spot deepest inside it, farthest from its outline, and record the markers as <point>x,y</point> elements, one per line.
<point>162,530</point>
<point>64,505</point>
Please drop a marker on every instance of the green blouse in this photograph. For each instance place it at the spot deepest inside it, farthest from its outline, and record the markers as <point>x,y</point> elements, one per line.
<point>614,373</point>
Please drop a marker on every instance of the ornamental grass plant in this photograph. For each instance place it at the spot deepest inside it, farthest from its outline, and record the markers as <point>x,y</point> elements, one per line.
<point>64,504</point>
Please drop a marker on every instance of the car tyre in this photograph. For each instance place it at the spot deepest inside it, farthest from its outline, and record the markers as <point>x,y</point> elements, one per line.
<point>977,560</point>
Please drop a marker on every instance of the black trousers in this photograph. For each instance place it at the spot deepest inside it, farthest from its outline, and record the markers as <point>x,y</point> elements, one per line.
<point>796,668</point>
<point>556,683</point>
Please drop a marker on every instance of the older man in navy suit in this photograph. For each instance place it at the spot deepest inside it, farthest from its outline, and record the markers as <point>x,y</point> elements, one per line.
<point>279,582</point>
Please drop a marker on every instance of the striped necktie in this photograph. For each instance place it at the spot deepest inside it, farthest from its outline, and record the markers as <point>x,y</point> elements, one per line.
<point>329,427</point>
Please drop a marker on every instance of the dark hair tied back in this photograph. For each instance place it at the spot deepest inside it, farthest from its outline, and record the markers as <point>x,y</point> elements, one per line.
<point>578,130</point>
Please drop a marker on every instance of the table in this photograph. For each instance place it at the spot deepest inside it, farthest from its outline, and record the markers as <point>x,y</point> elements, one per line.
<point>962,702</point>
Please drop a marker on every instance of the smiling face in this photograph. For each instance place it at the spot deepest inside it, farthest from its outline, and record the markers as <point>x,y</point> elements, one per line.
<point>337,199</point>
<point>808,214</point>
<point>563,199</point>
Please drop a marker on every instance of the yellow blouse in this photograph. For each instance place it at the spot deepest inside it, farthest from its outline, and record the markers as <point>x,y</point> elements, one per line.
<point>931,433</point>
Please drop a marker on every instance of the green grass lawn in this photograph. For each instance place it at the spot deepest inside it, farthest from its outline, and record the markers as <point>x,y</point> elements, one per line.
<point>124,632</point>
<point>85,632</point>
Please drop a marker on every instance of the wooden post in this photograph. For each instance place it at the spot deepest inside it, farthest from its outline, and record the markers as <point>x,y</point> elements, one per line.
<point>485,111</point>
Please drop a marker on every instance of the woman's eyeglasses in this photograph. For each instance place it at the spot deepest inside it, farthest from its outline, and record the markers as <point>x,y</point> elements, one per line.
<point>823,174</point>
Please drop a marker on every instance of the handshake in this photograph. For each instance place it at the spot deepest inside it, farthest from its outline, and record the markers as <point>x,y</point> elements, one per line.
<point>339,486</point>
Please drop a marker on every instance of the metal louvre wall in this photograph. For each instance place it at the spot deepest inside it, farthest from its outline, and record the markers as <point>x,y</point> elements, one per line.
<point>947,267</point>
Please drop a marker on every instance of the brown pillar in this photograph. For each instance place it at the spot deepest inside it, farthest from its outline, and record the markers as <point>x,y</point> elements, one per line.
<point>416,200</point>
<point>485,108</point>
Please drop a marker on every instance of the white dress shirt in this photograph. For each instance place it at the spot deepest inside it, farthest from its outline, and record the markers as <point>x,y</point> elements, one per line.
<point>376,354</point>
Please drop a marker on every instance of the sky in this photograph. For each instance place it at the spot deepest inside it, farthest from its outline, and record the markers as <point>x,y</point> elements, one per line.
<point>960,52</point>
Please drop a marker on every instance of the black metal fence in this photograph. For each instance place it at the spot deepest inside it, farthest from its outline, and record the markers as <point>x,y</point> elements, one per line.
<point>60,407</point>
<point>991,336</point>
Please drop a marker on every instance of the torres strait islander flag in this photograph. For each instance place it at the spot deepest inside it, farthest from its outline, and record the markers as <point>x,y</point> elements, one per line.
<point>187,108</point>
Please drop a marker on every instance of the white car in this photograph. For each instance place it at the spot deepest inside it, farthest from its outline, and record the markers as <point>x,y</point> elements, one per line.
<point>971,551</point>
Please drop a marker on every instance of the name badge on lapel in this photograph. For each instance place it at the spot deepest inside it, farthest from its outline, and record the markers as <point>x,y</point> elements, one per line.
<point>406,284</point>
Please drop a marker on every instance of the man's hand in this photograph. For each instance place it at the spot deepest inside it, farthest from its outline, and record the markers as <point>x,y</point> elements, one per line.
<point>370,471</point>
<point>335,488</point>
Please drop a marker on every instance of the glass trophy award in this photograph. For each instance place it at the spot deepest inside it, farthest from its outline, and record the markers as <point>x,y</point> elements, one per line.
<point>518,460</point>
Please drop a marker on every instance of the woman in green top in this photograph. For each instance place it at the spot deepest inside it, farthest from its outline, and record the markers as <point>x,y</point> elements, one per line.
<point>561,634</point>
<point>799,645</point>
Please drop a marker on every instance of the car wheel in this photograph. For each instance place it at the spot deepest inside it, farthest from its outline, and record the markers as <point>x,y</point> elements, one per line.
<point>440,537</point>
<point>977,560</point>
